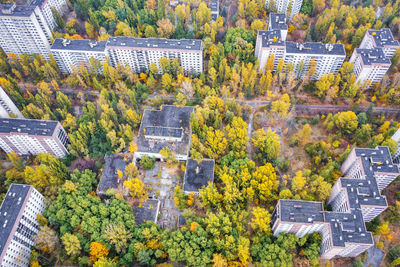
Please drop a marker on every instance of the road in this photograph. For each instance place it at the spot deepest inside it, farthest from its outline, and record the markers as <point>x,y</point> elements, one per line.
<point>310,110</point>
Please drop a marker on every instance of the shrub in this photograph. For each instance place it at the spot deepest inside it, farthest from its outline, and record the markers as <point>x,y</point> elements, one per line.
<point>147,162</point>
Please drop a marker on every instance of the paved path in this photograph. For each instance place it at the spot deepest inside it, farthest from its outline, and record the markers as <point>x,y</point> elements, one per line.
<point>374,257</point>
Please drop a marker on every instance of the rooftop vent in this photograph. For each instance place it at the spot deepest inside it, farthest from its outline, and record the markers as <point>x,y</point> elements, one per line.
<point>8,9</point>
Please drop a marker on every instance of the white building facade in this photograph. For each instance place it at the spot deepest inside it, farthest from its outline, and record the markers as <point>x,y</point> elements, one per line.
<point>24,29</point>
<point>139,53</point>
<point>289,7</point>
<point>31,137</point>
<point>382,38</point>
<point>47,5</point>
<point>7,107</point>
<point>369,65</point>
<point>74,53</point>
<point>18,212</point>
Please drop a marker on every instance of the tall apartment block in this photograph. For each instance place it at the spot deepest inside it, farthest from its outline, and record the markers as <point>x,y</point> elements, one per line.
<point>139,53</point>
<point>7,107</point>
<point>380,39</point>
<point>328,57</point>
<point>18,224</point>
<point>289,7</point>
<point>27,28</point>
<point>369,65</point>
<point>278,21</point>
<point>396,154</point>
<point>355,199</point>
<point>214,7</point>
<point>70,53</point>
<point>31,137</point>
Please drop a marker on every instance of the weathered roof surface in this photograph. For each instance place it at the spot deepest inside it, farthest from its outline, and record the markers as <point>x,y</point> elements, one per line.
<point>159,43</point>
<point>198,174</point>
<point>383,37</point>
<point>315,48</point>
<point>301,211</point>
<point>26,126</point>
<point>148,211</point>
<point>109,177</point>
<point>373,56</point>
<point>167,117</point>
<point>79,45</point>
<point>277,21</point>
<point>271,38</point>
<point>10,210</point>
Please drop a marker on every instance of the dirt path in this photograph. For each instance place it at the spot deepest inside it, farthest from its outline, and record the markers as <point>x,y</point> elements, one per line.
<point>249,133</point>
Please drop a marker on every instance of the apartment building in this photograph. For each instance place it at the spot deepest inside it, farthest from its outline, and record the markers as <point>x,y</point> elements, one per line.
<point>168,127</point>
<point>382,38</point>
<point>7,107</point>
<point>31,137</point>
<point>355,199</point>
<point>289,7</point>
<point>214,7</point>
<point>396,154</point>
<point>74,53</point>
<point>18,212</point>
<point>278,21</point>
<point>268,44</point>
<point>139,53</point>
<point>24,29</point>
<point>369,65</point>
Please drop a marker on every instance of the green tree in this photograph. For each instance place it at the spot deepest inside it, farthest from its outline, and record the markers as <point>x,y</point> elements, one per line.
<point>71,244</point>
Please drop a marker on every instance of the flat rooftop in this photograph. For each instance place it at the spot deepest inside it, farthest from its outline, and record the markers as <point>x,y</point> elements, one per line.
<point>167,118</point>
<point>315,48</point>
<point>214,6</point>
<point>148,211</point>
<point>376,159</point>
<point>301,211</point>
<point>373,56</point>
<point>198,174</point>
<point>109,177</point>
<point>10,210</point>
<point>383,37</point>
<point>278,21</point>
<point>27,126</point>
<point>13,10</point>
<point>348,227</point>
<point>79,45</point>
<point>158,43</point>
<point>271,38</point>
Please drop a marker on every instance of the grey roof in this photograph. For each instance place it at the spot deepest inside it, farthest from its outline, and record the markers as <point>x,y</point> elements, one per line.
<point>79,45</point>
<point>168,117</point>
<point>10,210</point>
<point>373,56</point>
<point>268,37</point>
<point>158,43</point>
<point>198,174</point>
<point>383,37</point>
<point>277,21</point>
<point>26,126</point>
<point>163,131</point>
<point>315,48</point>
<point>148,211</point>
<point>10,9</point>
<point>109,177</point>
<point>348,227</point>
<point>301,211</point>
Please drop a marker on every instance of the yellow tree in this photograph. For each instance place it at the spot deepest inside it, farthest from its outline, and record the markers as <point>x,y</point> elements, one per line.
<point>97,250</point>
<point>260,220</point>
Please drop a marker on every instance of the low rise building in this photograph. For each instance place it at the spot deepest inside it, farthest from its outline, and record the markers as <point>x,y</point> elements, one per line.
<point>74,53</point>
<point>18,211</point>
<point>168,127</point>
<point>111,181</point>
<point>148,211</point>
<point>31,137</point>
<point>198,174</point>
<point>382,38</point>
<point>7,107</point>
<point>139,53</point>
<point>369,65</point>
<point>355,199</point>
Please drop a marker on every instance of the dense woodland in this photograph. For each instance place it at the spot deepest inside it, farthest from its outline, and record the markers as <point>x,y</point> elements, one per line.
<point>228,223</point>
